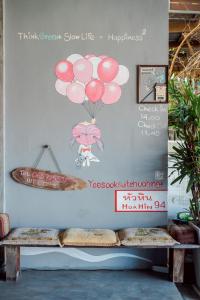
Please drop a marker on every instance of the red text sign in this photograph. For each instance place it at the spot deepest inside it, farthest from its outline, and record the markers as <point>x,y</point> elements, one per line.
<point>140,201</point>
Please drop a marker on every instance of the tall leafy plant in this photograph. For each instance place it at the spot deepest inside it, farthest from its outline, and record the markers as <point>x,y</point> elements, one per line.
<point>184,117</point>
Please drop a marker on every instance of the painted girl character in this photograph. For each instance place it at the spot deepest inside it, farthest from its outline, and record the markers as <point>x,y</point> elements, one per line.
<point>86,135</point>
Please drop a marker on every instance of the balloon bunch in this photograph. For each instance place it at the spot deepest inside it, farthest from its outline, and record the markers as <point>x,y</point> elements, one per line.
<point>91,80</point>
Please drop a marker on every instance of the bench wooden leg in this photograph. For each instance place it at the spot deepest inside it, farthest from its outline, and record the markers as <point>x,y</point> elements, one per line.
<point>176,264</point>
<point>2,263</point>
<point>12,260</point>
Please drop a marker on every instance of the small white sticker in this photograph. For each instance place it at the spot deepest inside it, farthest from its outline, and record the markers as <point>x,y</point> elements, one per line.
<point>159,175</point>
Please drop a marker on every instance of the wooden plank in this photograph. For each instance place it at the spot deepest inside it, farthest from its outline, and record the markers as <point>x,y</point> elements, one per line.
<point>185,5</point>
<point>12,260</point>
<point>178,246</point>
<point>43,179</point>
<point>180,26</point>
<point>176,265</point>
<point>175,44</point>
<point>2,263</point>
<point>1,256</point>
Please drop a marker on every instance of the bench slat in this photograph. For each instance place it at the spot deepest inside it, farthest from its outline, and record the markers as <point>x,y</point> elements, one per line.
<point>178,246</point>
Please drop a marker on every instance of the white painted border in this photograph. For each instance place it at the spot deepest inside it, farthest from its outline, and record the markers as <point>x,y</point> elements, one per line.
<point>79,254</point>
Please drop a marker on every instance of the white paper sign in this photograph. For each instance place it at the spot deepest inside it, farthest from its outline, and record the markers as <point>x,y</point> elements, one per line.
<point>140,201</point>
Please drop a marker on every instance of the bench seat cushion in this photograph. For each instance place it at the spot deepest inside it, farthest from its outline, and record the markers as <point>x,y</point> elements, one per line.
<point>89,237</point>
<point>145,237</point>
<point>33,236</point>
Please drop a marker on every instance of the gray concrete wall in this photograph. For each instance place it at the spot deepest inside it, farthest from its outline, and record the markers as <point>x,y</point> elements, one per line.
<point>36,114</point>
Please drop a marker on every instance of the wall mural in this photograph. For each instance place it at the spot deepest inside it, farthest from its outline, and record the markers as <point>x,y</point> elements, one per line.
<point>91,81</point>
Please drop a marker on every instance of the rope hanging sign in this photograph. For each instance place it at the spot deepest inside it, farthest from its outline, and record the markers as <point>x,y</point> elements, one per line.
<point>42,179</point>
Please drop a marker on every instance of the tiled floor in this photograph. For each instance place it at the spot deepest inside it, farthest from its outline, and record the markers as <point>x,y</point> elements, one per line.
<point>90,285</point>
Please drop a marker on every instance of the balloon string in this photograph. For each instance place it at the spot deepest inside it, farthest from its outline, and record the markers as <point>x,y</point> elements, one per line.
<point>96,107</point>
<point>85,106</point>
<point>101,106</point>
<point>90,111</point>
<point>93,108</point>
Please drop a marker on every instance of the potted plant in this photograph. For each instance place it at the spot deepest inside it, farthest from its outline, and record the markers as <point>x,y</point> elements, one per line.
<point>184,117</point>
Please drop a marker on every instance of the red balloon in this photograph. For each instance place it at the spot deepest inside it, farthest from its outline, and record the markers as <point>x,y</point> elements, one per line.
<point>94,90</point>
<point>64,70</point>
<point>108,69</point>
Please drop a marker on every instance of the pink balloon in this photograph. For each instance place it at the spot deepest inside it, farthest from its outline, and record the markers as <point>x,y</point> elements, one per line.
<point>61,87</point>
<point>94,90</point>
<point>122,76</point>
<point>89,56</point>
<point>112,93</point>
<point>64,70</point>
<point>83,70</point>
<point>108,69</point>
<point>76,92</point>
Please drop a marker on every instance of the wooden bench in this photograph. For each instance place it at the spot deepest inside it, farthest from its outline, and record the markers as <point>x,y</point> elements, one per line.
<point>176,256</point>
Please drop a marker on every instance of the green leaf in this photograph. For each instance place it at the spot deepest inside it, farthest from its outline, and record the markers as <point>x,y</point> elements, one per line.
<point>180,177</point>
<point>190,183</point>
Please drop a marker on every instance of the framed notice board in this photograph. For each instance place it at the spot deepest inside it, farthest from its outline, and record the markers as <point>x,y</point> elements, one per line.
<point>152,84</point>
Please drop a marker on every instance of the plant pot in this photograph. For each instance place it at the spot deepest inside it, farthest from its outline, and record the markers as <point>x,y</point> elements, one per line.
<point>196,255</point>
<point>197,229</point>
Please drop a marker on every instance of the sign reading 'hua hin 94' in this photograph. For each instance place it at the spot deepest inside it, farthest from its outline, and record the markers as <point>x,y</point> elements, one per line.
<point>47,180</point>
<point>140,201</point>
